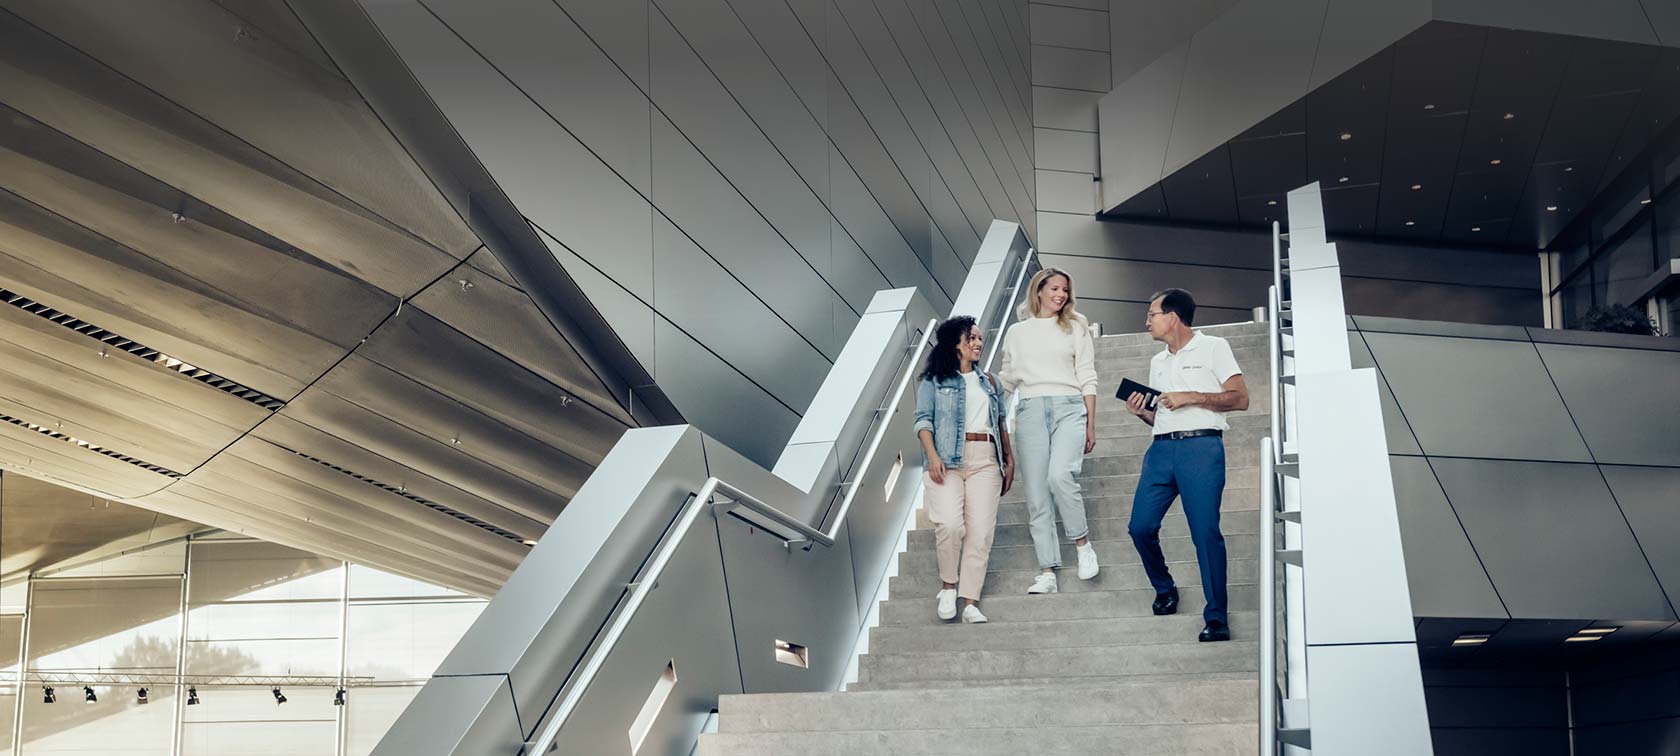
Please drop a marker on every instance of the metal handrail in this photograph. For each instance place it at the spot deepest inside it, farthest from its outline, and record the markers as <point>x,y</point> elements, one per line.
<point>1274,339</point>
<point>1009,306</point>
<point>697,504</point>
<point>1268,598</point>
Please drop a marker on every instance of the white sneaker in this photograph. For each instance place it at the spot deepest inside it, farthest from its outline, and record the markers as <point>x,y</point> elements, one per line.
<point>1087,561</point>
<point>972,615</point>
<point>947,603</point>
<point>1044,583</point>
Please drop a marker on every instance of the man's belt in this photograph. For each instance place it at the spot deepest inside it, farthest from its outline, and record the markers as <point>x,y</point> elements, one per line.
<point>1180,435</point>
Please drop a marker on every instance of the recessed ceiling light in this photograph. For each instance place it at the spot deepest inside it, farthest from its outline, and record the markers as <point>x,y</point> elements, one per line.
<point>1429,107</point>
<point>1471,639</point>
<point>1551,208</point>
<point>1271,202</point>
<point>1416,187</point>
<point>1509,116</point>
<point>1582,638</point>
<point>1645,201</point>
<point>1569,169</point>
<point>1495,161</point>
<point>1598,631</point>
<point>529,542</point>
<point>1475,228</point>
<point>1411,223</point>
<point>1342,180</point>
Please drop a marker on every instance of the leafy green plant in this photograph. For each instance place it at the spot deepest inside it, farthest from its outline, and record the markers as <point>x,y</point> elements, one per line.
<point>1619,319</point>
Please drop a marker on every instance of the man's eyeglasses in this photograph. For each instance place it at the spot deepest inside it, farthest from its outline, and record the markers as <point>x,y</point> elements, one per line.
<point>1151,315</point>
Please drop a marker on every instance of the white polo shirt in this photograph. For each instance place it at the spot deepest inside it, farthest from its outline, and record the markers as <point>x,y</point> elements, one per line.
<point>1203,364</point>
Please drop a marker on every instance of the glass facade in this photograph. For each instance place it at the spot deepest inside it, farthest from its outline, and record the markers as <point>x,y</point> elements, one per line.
<point>1607,255</point>
<point>206,611</point>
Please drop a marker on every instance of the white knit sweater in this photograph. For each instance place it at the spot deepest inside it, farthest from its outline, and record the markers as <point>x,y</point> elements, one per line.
<point>1040,359</point>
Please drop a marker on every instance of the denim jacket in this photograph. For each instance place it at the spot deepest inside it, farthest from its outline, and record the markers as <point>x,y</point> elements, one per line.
<point>939,408</point>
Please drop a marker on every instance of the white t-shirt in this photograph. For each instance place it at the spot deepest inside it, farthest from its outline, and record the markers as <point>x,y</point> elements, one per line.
<point>977,405</point>
<point>1203,364</point>
<point>1040,359</point>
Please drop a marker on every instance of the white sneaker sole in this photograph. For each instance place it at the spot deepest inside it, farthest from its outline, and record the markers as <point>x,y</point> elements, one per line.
<point>1036,591</point>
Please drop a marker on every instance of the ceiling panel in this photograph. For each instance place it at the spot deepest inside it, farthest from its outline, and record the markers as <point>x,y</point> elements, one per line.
<point>1203,190</point>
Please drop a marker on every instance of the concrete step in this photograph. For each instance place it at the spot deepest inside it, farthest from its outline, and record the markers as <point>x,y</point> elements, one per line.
<point>1102,661</point>
<point>1176,548</point>
<point>1122,631</point>
<point>1249,357</point>
<point>1103,529</point>
<point>1098,486</point>
<point>1075,684</point>
<point>1214,739</point>
<point>1190,702</point>
<point>1224,331</point>
<point>1232,504</point>
<point>1019,607</point>
<point>1113,577</point>
<point>1246,455</point>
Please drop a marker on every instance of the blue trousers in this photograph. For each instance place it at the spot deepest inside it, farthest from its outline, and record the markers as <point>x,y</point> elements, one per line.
<point>1192,469</point>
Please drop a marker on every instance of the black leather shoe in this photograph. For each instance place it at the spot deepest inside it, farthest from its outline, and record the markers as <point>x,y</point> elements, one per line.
<point>1166,603</point>
<point>1214,632</point>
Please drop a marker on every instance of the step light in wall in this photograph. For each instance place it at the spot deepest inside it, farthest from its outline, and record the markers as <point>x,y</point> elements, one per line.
<point>662,688</point>
<point>1470,639</point>
<point>793,654</point>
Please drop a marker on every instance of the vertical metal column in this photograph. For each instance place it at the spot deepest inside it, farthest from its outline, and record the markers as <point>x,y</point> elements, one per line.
<point>23,663</point>
<point>175,746</point>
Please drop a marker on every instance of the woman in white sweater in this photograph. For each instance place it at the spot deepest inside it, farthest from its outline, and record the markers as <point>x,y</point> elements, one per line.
<point>1048,357</point>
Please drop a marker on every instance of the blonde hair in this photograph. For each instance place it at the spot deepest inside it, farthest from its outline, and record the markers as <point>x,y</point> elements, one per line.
<point>1029,308</point>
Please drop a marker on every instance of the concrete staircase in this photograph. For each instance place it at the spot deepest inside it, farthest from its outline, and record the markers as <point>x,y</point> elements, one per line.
<point>1086,671</point>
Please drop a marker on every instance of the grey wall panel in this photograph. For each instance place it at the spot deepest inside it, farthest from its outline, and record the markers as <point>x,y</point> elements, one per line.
<point>791,49</point>
<point>535,44</point>
<point>1452,389</point>
<point>556,181</point>
<point>1069,27</point>
<point>1141,30</point>
<point>717,397</point>
<point>1647,496</point>
<point>964,90</point>
<point>704,113</point>
<point>1011,84</point>
<point>1458,706</point>
<point>1442,570</point>
<point>910,35</point>
<point>1400,438</point>
<point>1419,299</point>
<point>1354,30</point>
<point>1665,20</point>
<point>1066,150</point>
<point>1070,69</point>
<point>619,28</point>
<point>950,187</point>
<point>1066,192</point>
<point>1137,125</point>
<point>868,225</point>
<point>630,315</point>
<point>1135,280</point>
<point>751,336</point>
<point>865,153</point>
<point>1552,539</point>
<point>700,201</point>
<point>1651,693</point>
<point>1638,427</point>
<point>991,107</point>
<point>1241,67</point>
<point>1006,106</point>
<point>1010,32</point>
<point>1069,109</point>
<point>852,273</point>
<point>1654,736</point>
<point>1623,20</point>
<point>731,49</point>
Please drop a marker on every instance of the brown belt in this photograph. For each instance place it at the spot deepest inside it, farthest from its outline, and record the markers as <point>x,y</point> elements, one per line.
<point>977,436</point>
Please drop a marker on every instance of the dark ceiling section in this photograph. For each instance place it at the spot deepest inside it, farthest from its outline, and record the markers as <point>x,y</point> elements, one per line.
<point>1457,134</point>
<point>229,294</point>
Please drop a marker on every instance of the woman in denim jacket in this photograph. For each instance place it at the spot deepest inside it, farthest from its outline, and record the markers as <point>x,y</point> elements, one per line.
<point>959,419</point>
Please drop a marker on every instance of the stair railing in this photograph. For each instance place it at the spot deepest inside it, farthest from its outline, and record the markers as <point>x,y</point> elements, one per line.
<point>657,590</point>
<point>1351,682</point>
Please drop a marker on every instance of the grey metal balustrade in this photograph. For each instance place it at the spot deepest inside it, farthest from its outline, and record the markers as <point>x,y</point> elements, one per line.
<point>683,571</point>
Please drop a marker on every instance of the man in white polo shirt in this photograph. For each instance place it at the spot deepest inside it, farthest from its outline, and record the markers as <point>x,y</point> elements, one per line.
<point>1199,382</point>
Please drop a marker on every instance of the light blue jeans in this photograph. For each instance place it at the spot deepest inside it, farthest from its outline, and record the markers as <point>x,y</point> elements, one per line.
<point>1049,452</point>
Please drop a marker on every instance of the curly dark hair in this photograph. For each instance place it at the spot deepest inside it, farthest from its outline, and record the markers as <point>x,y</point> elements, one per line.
<point>943,362</point>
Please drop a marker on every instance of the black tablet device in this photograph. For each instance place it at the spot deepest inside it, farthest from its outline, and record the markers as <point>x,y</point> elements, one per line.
<point>1129,387</point>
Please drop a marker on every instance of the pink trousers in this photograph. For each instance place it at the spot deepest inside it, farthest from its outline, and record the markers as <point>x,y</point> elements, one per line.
<point>964,514</point>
